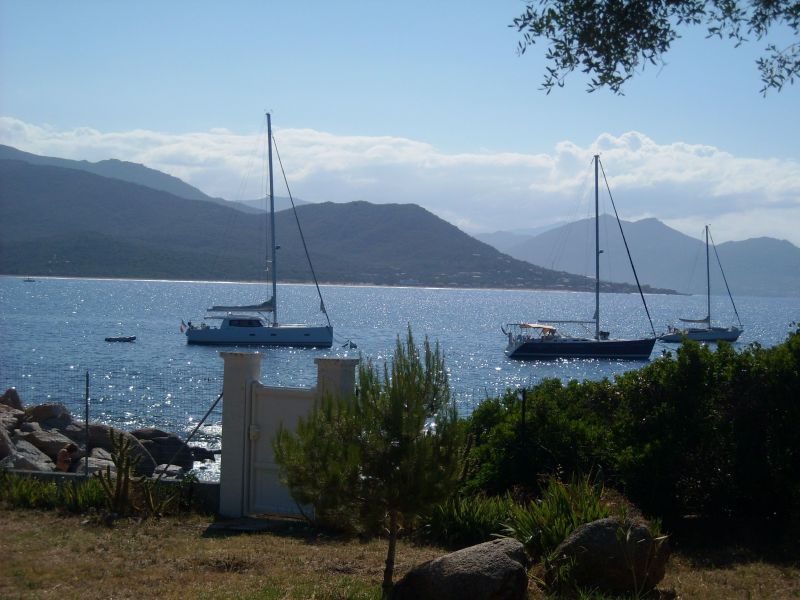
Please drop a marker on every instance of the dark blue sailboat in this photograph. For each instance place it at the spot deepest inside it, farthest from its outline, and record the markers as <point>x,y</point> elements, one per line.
<point>537,341</point>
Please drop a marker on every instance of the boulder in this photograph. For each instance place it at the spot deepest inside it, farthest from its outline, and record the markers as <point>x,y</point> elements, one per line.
<point>7,447</point>
<point>495,569</point>
<point>27,457</point>
<point>101,453</point>
<point>613,556</point>
<point>200,454</point>
<point>49,416</point>
<point>169,472</point>
<point>96,465</point>
<point>11,398</point>
<point>49,442</point>
<point>100,437</point>
<point>165,447</point>
<point>27,427</point>
<point>10,417</point>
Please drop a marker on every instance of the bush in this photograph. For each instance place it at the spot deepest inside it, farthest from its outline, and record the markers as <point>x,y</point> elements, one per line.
<point>74,495</point>
<point>699,432</point>
<point>564,431</point>
<point>466,521</point>
<point>543,524</point>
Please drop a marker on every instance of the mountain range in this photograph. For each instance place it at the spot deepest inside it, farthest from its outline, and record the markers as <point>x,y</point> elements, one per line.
<point>71,222</point>
<point>139,174</point>
<point>120,219</point>
<point>663,257</point>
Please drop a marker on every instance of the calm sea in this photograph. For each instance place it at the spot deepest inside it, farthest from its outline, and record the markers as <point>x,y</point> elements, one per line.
<point>52,333</point>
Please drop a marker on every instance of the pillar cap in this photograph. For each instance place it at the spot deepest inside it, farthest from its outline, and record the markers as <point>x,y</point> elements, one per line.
<point>240,355</point>
<point>333,360</point>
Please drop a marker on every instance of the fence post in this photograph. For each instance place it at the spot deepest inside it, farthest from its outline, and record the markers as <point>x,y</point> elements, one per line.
<point>86,428</point>
<point>241,369</point>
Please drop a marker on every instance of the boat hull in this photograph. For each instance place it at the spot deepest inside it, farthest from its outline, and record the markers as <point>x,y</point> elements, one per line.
<point>541,349</point>
<point>272,335</point>
<point>710,334</point>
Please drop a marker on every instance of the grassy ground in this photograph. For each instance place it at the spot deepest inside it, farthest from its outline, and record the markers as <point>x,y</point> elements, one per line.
<point>47,555</point>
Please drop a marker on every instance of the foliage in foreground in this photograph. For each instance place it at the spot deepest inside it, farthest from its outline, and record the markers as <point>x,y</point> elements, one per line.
<point>541,525</point>
<point>381,458</point>
<point>704,432</point>
<point>119,494</point>
<point>611,40</point>
<point>463,521</point>
<point>75,495</point>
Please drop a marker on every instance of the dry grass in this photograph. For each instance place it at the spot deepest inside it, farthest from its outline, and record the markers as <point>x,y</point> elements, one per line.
<point>50,556</point>
<point>46,555</point>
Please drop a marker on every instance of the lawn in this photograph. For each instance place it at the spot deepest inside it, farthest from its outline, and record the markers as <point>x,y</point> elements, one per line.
<point>50,555</point>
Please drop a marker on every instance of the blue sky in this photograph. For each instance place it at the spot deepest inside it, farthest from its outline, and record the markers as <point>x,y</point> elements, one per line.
<point>424,102</point>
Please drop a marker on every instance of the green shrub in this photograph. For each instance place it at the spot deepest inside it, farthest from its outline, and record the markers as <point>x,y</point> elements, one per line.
<point>709,432</point>
<point>543,524</point>
<point>465,521</point>
<point>27,492</point>
<point>81,495</point>
<point>74,495</point>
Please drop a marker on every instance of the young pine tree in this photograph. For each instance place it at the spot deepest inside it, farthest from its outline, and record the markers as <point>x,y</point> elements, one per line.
<point>382,457</point>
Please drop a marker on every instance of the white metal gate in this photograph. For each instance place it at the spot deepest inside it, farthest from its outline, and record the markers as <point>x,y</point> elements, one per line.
<point>269,408</point>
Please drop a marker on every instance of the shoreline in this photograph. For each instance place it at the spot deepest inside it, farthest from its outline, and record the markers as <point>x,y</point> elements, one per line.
<point>336,284</point>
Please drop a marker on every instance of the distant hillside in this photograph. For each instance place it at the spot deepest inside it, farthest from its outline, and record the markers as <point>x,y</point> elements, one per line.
<point>69,222</point>
<point>666,258</point>
<point>116,169</point>
<point>139,174</point>
<point>508,240</point>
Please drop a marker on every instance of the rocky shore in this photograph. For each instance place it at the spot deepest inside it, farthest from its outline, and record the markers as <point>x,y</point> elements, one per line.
<point>46,437</point>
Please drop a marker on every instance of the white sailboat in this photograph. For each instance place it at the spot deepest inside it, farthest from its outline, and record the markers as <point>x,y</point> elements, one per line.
<point>258,323</point>
<point>708,333</point>
<point>535,341</point>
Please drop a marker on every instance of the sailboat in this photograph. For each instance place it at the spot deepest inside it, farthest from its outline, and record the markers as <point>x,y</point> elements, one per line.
<point>258,323</point>
<point>709,333</point>
<point>532,341</point>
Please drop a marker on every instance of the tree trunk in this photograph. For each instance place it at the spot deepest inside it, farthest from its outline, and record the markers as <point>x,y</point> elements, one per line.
<point>388,572</point>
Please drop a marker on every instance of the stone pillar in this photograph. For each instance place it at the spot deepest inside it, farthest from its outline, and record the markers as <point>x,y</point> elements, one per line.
<point>241,370</point>
<point>336,376</point>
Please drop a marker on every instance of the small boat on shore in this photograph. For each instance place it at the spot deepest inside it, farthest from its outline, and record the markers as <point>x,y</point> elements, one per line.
<point>121,338</point>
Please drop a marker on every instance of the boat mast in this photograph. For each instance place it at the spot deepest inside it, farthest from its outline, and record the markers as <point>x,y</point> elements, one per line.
<point>597,250</point>
<point>708,283</point>
<point>272,247</point>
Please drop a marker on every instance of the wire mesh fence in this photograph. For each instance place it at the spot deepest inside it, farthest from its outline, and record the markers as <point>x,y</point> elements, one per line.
<point>173,399</point>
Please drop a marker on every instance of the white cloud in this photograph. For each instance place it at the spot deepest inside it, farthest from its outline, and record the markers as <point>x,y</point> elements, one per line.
<point>685,185</point>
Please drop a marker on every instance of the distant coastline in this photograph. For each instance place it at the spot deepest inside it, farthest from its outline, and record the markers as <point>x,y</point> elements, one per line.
<point>648,291</point>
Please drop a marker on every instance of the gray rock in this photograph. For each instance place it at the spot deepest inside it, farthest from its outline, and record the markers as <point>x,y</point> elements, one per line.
<point>7,447</point>
<point>28,427</point>
<point>11,398</point>
<point>493,570</point>
<point>613,556</point>
<point>170,472</point>
<point>10,417</point>
<point>96,465</point>
<point>101,453</point>
<point>49,442</point>
<point>202,454</point>
<point>76,431</point>
<point>165,447</point>
<point>100,437</point>
<point>49,416</point>
<point>28,457</point>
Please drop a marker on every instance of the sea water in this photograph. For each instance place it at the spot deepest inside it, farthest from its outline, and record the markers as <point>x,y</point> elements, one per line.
<point>53,330</point>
